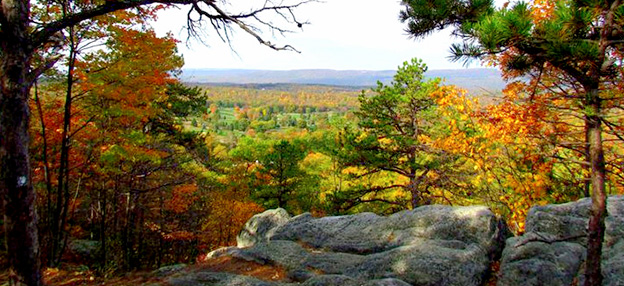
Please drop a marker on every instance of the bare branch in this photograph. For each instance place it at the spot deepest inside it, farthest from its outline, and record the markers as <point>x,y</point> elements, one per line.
<point>380,200</point>
<point>218,18</point>
<point>42,35</point>
<point>36,72</point>
<point>613,127</point>
<point>249,29</point>
<point>275,8</point>
<point>82,126</point>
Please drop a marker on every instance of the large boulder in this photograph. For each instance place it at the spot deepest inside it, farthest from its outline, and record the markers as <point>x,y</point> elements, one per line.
<point>553,249</point>
<point>261,226</point>
<point>83,251</point>
<point>431,245</point>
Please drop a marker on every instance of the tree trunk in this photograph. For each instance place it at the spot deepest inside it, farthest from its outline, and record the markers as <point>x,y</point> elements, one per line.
<point>414,184</point>
<point>63,197</point>
<point>103,229</point>
<point>45,233</point>
<point>587,183</point>
<point>18,196</point>
<point>596,228</point>
<point>412,187</point>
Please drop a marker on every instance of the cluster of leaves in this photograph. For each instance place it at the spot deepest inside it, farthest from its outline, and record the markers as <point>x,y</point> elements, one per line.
<point>135,182</point>
<point>35,35</point>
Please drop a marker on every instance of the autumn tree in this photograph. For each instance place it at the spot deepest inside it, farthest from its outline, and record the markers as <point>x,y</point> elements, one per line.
<point>136,155</point>
<point>128,156</point>
<point>508,145</point>
<point>580,39</point>
<point>59,171</point>
<point>21,39</point>
<point>399,125</point>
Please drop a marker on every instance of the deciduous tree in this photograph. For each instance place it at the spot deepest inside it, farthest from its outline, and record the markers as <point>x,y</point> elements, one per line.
<point>21,38</point>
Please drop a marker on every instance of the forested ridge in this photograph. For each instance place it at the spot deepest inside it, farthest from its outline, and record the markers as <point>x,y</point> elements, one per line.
<point>475,80</point>
<point>112,165</point>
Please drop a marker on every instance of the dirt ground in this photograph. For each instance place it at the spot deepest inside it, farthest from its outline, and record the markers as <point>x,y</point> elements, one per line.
<point>74,277</point>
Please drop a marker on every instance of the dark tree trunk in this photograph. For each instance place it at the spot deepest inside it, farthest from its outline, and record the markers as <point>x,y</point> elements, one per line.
<point>18,196</point>
<point>596,228</point>
<point>417,197</point>
<point>587,184</point>
<point>45,233</point>
<point>103,229</point>
<point>63,196</point>
<point>412,187</point>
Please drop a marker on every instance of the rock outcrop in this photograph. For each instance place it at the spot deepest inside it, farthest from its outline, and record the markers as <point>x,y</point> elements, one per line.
<point>553,249</point>
<point>431,245</point>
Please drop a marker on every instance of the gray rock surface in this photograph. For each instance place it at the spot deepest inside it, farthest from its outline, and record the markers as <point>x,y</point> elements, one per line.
<point>431,245</point>
<point>261,226</point>
<point>168,270</point>
<point>227,279</point>
<point>553,249</point>
<point>199,278</point>
<point>84,250</point>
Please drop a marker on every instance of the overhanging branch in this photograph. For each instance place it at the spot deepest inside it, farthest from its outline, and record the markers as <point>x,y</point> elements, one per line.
<point>219,19</point>
<point>226,19</point>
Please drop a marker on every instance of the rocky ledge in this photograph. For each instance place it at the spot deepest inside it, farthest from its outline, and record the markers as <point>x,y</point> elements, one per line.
<point>431,245</point>
<point>552,250</point>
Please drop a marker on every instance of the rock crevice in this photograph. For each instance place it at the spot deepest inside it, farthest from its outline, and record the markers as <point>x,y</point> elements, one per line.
<point>552,250</point>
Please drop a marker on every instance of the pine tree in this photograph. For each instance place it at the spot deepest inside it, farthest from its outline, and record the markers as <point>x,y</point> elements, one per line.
<point>580,39</point>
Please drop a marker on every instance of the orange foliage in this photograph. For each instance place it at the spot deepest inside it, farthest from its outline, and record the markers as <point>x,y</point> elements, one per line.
<point>503,142</point>
<point>182,197</point>
<point>542,9</point>
<point>228,213</point>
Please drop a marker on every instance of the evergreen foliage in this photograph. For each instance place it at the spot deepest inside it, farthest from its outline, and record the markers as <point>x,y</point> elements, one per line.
<point>579,39</point>
<point>399,125</point>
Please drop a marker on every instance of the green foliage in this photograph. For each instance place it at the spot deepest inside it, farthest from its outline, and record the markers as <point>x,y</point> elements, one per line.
<point>571,50</point>
<point>398,124</point>
<point>280,168</point>
<point>424,17</point>
<point>183,100</point>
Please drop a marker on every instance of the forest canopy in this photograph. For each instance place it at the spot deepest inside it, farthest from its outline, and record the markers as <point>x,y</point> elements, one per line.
<point>129,169</point>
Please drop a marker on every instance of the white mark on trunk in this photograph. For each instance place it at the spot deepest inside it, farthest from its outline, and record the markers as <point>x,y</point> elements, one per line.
<point>21,181</point>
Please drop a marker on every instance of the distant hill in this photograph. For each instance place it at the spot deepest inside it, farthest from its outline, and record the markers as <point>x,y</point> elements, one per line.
<point>475,80</point>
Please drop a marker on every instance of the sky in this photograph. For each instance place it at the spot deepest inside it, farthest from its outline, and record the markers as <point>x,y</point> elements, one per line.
<point>342,35</point>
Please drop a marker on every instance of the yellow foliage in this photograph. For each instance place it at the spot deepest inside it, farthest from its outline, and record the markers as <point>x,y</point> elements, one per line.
<point>228,214</point>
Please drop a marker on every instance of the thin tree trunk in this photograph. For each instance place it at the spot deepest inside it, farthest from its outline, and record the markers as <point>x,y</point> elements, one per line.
<point>63,197</point>
<point>18,196</point>
<point>140,255</point>
<point>412,187</point>
<point>587,183</point>
<point>103,229</point>
<point>161,241</point>
<point>47,239</point>
<point>596,228</point>
<point>125,241</point>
